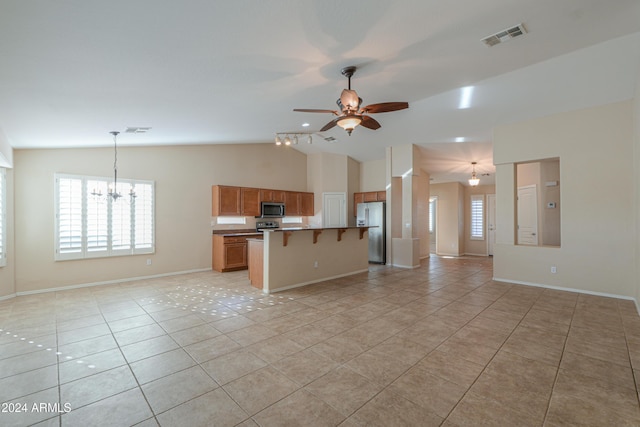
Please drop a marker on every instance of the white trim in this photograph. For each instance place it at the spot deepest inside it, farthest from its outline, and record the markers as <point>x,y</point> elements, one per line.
<point>111,282</point>
<point>7,297</point>
<point>297,285</point>
<point>472,254</point>
<point>405,266</point>
<point>578,291</point>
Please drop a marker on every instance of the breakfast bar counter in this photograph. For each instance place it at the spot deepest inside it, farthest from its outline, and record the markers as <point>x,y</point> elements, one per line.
<point>293,257</point>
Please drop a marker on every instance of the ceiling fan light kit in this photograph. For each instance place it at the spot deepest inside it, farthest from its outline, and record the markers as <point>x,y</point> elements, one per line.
<point>351,114</point>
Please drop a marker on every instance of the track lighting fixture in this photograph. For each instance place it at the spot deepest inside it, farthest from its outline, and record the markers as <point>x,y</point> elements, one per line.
<point>292,138</point>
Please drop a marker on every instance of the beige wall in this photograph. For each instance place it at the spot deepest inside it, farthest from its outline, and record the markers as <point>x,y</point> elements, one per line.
<point>373,175</point>
<point>598,229</point>
<point>183,177</point>
<point>450,218</point>
<point>476,247</point>
<point>636,180</point>
<point>7,273</point>
<point>328,173</point>
<point>293,265</point>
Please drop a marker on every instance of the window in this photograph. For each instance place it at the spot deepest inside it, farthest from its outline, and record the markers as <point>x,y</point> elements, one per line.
<point>3,217</point>
<point>90,226</point>
<point>477,217</point>
<point>231,220</point>
<point>432,214</point>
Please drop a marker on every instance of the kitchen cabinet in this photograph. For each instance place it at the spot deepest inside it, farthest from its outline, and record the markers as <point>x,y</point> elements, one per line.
<point>230,252</point>
<point>272,196</point>
<point>306,204</point>
<point>368,196</point>
<point>250,201</point>
<point>291,203</point>
<point>245,201</point>
<point>226,200</point>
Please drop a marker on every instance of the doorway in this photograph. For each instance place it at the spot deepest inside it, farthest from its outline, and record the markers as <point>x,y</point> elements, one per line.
<point>491,223</point>
<point>433,220</point>
<point>334,209</point>
<point>527,215</point>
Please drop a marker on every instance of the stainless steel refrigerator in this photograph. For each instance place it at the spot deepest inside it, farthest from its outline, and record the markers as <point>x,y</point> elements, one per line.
<point>372,214</point>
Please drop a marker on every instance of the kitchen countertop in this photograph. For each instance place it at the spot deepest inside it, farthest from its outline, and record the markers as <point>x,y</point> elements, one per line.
<point>248,232</point>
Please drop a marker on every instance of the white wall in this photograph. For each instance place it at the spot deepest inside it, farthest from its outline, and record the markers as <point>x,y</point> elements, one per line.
<point>183,178</point>
<point>595,147</point>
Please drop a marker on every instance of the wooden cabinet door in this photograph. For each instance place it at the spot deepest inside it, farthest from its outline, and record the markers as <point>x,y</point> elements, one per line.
<point>357,198</point>
<point>272,195</point>
<point>250,201</point>
<point>371,196</point>
<point>291,203</point>
<point>382,196</point>
<point>306,204</point>
<point>235,255</point>
<point>225,200</point>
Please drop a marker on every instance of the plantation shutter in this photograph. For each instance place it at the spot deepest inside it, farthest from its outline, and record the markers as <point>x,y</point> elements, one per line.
<point>69,221</point>
<point>477,217</point>
<point>143,233</point>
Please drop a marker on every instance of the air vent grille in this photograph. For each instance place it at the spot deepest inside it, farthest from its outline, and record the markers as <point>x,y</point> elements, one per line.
<point>504,35</point>
<point>137,130</point>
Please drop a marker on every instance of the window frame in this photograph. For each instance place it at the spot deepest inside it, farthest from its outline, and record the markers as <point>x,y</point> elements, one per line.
<point>473,227</point>
<point>84,250</point>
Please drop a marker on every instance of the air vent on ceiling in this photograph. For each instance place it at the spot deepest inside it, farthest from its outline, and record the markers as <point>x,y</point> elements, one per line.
<point>504,35</point>
<point>137,130</point>
<point>330,139</point>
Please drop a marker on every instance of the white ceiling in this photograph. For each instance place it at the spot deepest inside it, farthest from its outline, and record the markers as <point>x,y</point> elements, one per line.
<point>203,72</point>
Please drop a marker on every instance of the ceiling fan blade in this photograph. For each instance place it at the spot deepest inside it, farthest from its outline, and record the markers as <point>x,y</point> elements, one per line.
<point>313,110</point>
<point>350,99</point>
<point>331,124</point>
<point>370,123</point>
<point>385,107</point>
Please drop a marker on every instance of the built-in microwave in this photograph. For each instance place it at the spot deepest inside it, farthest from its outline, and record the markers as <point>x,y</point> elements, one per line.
<point>271,210</point>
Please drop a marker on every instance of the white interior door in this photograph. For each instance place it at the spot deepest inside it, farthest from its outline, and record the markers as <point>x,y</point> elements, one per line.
<point>491,222</point>
<point>527,215</point>
<point>334,209</point>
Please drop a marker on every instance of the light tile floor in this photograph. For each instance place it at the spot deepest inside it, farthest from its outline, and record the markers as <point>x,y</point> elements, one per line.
<point>439,345</point>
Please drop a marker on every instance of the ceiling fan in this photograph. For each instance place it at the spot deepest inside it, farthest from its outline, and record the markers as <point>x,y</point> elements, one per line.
<point>350,114</point>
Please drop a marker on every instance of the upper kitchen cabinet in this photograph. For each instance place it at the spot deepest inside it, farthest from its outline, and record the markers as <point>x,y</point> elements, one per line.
<point>369,196</point>
<point>272,196</point>
<point>306,204</point>
<point>250,201</point>
<point>226,200</point>
<point>292,203</point>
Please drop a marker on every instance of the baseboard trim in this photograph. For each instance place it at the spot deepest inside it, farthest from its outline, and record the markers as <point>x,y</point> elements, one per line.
<point>472,254</point>
<point>7,297</point>
<point>110,282</point>
<point>578,291</point>
<point>298,285</point>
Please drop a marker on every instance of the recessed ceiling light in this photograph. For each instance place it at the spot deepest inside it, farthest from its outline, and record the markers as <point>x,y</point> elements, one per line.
<point>305,125</point>
<point>459,139</point>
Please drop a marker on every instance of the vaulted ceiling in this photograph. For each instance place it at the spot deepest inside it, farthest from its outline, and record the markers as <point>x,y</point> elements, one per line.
<point>205,72</point>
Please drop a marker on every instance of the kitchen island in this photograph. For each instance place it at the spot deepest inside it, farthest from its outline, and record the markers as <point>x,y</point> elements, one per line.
<point>290,258</point>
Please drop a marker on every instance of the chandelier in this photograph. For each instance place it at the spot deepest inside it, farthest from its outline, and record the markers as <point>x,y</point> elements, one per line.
<point>289,138</point>
<point>112,191</point>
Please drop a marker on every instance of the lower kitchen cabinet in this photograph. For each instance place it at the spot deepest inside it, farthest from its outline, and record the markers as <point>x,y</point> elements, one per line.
<point>229,253</point>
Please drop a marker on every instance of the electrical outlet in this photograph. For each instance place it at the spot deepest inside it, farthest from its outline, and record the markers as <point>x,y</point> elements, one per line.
<point>315,264</point>
<point>553,269</point>
<point>148,261</point>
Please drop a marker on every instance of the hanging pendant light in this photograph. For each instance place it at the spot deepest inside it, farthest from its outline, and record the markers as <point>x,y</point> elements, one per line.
<point>474,180</point>
<point>112,191</point>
